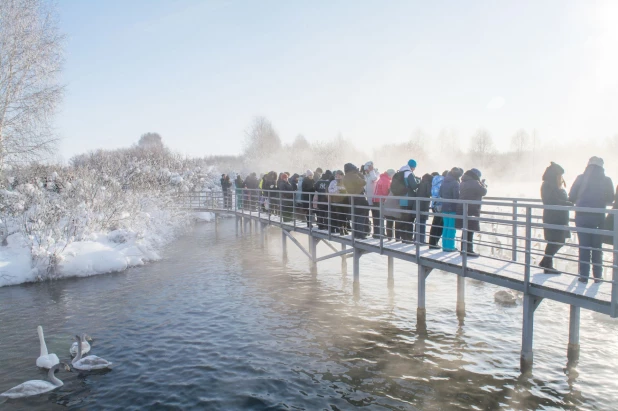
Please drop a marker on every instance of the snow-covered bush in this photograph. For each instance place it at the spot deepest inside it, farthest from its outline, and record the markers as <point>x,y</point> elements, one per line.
<point>126,195</point>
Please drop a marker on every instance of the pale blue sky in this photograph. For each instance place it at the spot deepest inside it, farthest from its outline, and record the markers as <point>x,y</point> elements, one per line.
<point>197,72</point>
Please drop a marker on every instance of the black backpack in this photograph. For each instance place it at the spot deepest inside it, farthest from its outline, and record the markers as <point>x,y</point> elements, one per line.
<point>398,184</point>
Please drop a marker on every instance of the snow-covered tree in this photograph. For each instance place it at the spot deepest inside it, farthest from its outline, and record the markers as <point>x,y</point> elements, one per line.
<point>31,57</point>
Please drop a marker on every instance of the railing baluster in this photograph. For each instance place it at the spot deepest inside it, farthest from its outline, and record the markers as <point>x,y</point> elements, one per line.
<point>382,225</point>
<point>528,249</point>
<point>353,232</point>
<point>416,229</point>
<point>464,240</point>
<point>514,245</point>
<point>614,302</point>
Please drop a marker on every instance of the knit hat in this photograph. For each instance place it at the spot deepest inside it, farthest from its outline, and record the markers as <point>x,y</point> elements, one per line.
<point>412,163</point>
<point>369,163</point>
<point>477,172</point>
<point>595,161</point>
<point>309,173</point>
<point>552,172</point>
<point>390,172</point>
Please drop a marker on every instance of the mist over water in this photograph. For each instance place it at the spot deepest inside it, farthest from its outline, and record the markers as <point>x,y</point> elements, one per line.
<point>221,323</point>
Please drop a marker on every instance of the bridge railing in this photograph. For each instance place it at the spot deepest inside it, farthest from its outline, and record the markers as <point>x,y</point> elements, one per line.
<point>506,229</point>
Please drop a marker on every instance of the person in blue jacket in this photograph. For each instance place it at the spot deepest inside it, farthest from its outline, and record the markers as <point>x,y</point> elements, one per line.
<point>449,190</point>
<point>591,189</point>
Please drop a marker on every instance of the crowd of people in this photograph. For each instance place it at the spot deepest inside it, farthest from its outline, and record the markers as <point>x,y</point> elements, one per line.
<point>343,200</point>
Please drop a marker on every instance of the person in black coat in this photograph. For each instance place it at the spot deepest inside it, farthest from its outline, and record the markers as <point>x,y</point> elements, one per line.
<point>308,188</point>
<point>287,197</point>
<point>424,191</point>
<point>251,194</point>
<point>553,193</point>
<point>321,189</point>
<point>592,189</point>
<point>354,184</point>
<point>226,184</point>
<point>449,190</point>
<point>609,222</point>
<point>471,188</point>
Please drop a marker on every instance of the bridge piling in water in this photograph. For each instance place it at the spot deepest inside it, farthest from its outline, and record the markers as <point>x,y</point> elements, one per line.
<point>517,274</point>
<point>573,347</point>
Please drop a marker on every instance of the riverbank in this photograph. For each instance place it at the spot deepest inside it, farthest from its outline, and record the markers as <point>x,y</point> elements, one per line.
<point>100,253</point>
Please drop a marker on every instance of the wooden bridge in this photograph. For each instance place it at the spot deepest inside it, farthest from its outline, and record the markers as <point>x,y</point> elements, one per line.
<point>509,243</point>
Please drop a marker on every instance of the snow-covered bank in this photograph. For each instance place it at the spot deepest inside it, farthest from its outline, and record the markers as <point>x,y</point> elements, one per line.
<point>99,254</point>
<point>106,212</point>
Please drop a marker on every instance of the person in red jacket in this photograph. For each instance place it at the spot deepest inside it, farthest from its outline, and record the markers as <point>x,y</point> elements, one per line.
<point>383,187</point>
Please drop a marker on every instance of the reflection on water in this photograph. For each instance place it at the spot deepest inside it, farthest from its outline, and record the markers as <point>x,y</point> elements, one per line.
<point>224,323</point>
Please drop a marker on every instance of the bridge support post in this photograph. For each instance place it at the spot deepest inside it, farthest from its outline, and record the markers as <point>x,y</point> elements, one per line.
<point>421,312</point>
<point>313,250</point>
<point>284,243</point>
<point>573,347</point>
<point>461,296</point>
<point>344,259</point>
<point>530,305</point>
<point>391,268</point>
<point>237,224</point>
<point>356,269</point>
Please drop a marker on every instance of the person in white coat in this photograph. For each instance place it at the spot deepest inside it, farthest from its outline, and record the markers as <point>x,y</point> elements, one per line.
<point>371,179</point>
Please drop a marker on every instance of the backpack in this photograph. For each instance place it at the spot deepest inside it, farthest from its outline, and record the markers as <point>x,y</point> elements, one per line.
<point>398,184</point>
<point>435,186</point>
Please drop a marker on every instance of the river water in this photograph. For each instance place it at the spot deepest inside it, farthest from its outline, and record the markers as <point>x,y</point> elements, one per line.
<point>222,323</point>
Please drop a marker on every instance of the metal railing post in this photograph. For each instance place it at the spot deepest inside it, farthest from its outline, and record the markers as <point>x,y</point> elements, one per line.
<point>294,210</point>
<point>329,216</point>
<point>514,245</point>
<point>528,249</point>
<point>353,231</point>
<point>280,210</point>
<point>614,302</point>
<point>464,240</point>
<point>416,229</point>
<point>382,226</point>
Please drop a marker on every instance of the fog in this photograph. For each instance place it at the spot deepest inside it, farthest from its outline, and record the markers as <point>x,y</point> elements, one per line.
<point>515,172</point>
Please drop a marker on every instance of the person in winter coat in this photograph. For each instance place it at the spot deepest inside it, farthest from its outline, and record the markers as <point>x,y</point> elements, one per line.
<point>471,188</point>
<point>294,181</point>
<point>308,188</point>
<point>594,190</point>
<point>554,194</point>
<point>240,185</point>
<point>340,204</point>
<point>437,222</point>
<point>609,222</point>
<point>424,191</point>
<point>405,226</point>
<point>317,175</point>
<point>371,178</point>
<point>321,198</point>
<point>287,197</point>
<point>354,184</point>
<point>449,190</point>
<point>391,206</point>
<point>251,197</point>
<point>226,185</point>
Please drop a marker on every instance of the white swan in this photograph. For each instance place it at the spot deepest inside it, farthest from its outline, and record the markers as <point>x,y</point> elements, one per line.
<point>36,387</point>
<point>85,346</point>
<point>45,360</point>
<point>89,363</point>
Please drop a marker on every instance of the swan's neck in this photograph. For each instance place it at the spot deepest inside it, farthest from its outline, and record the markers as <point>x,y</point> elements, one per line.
<point>79,351</point>
<point>42,341</point>
<point>52,376</point>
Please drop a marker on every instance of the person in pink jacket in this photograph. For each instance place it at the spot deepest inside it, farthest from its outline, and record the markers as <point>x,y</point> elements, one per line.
<point>382,189</point>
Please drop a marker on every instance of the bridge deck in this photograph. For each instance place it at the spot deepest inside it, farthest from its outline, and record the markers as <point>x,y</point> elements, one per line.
<point>563,288</point>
